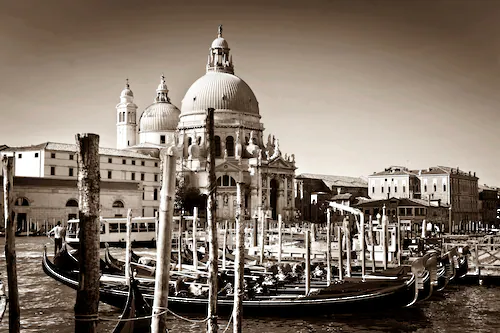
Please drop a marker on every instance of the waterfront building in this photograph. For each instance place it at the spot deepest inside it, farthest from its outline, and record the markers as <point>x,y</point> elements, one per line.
<point>130,173</point>
<point>488,201</point>
<point>410,212</point>
<point>315,191</point>
<point>449,186</point>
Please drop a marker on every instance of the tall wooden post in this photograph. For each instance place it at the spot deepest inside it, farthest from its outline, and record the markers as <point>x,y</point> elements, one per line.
<point>164,241</point>
<point>262,235</point>
<point>308,261</point>
<point>10,245</point>
<point>195,241</point>
<point>347,235</point>
<point>362,243</point>
<point>280,235</point>
<point>339,241</point>
<point>255,227</point>
<point>224,246</point>
<point>128,251</point>
<point>212,325</point>
<point>384,240</point>
<point>239,263</point>
<point>87,295</point>
<point>450,224</point>
<point>328,246</point>
<point>399,241</point>
<point>372,242</point>
<point>179,245</point>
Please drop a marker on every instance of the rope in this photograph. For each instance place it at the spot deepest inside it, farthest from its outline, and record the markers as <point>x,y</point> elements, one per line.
<point>229,322</point>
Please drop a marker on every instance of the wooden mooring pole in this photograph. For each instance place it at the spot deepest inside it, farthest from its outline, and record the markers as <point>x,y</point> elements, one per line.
<point>240,262</point>
<point>213,266</point>
<point>328,246</point>
<point>280,237</point>
<point>10,245</point>
<point>262,235</point>
<point>308,260</point>
<point>164,241</point>
<point>339,240</point>
<point>87,295</point>
<point>195,242</point>
<point>224,242</point>
<point>372,242</point>
<point>128,250</point>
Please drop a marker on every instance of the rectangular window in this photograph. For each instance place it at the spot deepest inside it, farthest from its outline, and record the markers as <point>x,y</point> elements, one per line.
<point>133,162</point>
<point>143,212</point>
<point>52,155</point>
<point>71,172</point>
<point>367,212</point>
<point>425,188</point>
<point>143,163</point>
<point>409,211</point>
<point>36,155</point>
<point>71,156</point>
<point>113,227</point>
<point>156,164</point>
<point>155,194</point>
<point>110,160</point>
<point>404,189</point>
<point>124,161</point>
<point>143,195</point>
<point>373,189</point>
<point>162,139</point>
<point>382,190</point>
<point>435,187</point>
<point>52,171</point>
<point>142,176</point>
<point>444,187</point>
<point>19,155</point>
<point>109,174</point>
<point>133,175</point>
<point>401,212</point>
<point>395,189</point>
<point>156,177</point>
<point>154,211</point>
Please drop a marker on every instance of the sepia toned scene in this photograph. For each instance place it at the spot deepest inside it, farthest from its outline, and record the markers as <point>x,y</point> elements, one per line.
<point>252,166</point>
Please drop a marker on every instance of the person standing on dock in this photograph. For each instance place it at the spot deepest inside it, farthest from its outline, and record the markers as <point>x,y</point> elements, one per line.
<point>58,237</point>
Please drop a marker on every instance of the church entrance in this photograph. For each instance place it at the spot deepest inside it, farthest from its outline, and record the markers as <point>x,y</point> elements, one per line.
<point>273,200</point>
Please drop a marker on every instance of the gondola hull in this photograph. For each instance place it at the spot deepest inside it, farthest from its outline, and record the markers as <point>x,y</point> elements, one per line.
<point>352,296</point>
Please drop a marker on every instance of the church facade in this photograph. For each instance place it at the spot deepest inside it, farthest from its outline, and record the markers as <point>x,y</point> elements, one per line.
<point>242,152</point>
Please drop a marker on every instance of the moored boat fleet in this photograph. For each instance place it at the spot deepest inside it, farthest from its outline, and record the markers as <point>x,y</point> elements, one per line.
<point>270,289</point>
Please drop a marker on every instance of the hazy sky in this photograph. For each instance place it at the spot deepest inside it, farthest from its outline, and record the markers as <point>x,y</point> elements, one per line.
<point>350,87</point>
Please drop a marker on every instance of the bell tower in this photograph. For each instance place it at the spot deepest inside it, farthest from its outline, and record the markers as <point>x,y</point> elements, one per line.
<point>126,124</point>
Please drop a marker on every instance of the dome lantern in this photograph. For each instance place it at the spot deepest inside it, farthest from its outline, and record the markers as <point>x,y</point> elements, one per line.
<point>219,59</point>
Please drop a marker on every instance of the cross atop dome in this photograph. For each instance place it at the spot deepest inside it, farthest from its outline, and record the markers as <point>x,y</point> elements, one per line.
<point>219,59</point>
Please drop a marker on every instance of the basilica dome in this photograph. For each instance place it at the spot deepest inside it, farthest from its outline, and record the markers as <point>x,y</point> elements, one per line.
<point>221,91</point>
<point>160,116</point>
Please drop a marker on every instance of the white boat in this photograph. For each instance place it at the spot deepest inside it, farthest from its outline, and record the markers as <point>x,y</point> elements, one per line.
<point>114,231</point>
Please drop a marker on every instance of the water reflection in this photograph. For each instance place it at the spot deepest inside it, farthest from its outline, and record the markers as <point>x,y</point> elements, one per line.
<point>47,306</point>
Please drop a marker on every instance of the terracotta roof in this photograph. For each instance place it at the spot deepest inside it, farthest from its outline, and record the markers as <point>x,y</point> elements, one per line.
<point>331,180</point>
<point>401,202</point>
<point>56,146</point>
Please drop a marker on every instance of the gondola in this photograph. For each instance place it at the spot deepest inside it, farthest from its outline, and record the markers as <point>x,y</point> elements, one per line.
<point>136,315</point>
<point>344,296</point>
<point>118,266</point>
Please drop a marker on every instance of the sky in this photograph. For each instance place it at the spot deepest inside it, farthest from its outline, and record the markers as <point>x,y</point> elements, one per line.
<point>350,87</point>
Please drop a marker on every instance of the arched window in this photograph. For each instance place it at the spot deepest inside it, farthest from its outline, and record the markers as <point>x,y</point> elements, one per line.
<point>230,146</point>
<point>118,204</point>
<point>72,203</point>
<point>22,202</point>
<point>226,181</point>
<point>217,146</point>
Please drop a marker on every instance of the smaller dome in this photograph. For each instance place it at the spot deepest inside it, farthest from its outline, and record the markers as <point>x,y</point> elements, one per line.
<point>126,91</point>
<point>220,42</point>
<point>159,117</point>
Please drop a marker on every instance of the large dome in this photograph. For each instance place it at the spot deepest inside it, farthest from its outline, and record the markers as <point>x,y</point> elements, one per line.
<point>221,91</point>
<point>159,117</point>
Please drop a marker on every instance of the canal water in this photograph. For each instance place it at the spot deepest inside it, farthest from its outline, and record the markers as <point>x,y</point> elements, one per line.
<point>47,306</point>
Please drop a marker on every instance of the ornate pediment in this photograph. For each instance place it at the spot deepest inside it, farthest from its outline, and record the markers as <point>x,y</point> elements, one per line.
<point>227,166</point>
<point>280,163</point>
